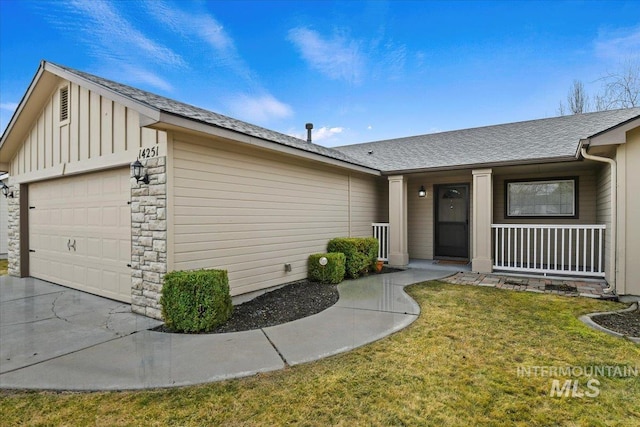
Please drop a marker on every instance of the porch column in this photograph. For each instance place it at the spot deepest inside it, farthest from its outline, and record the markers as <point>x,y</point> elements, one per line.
<point>398,247</point>
<point>481,257</point>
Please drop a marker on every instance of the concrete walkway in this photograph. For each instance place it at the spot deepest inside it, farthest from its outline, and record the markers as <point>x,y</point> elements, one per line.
<point>53,337</point>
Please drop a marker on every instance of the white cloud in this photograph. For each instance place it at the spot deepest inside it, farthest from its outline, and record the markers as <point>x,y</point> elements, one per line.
<point>112,36</point>
<point>142,76</point>
<point>200,27</point>
<point>324,133</point>
<point>260,110</point>
<point>9,106</point>
<point>112,39</point>
<point>619,45</point>
<point>338,58</point>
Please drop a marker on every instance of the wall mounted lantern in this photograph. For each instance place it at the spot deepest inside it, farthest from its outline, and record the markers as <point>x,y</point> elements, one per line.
<point>138,170</point>
<point>6,191</point>
<point>422,192</point>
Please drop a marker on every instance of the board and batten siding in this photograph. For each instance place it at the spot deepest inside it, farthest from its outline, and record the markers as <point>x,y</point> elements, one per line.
<point>252,212</point>
<point>421,212</point>
<point>98,133</point>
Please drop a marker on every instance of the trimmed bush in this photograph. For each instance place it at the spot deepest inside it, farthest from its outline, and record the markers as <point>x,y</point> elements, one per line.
<point>196,301</point>
<point>332,273</point>
<point>361,254</point>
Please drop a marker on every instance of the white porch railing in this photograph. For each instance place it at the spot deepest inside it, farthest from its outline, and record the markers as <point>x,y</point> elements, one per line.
<point>381,232</point>
<point>551,249</point>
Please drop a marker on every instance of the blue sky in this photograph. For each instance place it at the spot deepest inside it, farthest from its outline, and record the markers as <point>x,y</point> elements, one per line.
<point>360,71</point>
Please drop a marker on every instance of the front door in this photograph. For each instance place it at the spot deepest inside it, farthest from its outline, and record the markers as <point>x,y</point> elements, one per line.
<point>452,221</point>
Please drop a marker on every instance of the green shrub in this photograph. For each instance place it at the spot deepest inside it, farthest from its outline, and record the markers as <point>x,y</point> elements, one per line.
<point>332,273</point>
<point>361,254</point>
<point>196,301</point>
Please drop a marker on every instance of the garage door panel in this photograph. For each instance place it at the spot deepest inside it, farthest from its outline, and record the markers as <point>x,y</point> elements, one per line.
<point>110,250</point>
<point>91,211</point>
<point>95,216</point>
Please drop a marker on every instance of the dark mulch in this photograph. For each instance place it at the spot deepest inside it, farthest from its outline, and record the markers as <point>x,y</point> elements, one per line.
<point>627,323</point>
<point>291,302</point>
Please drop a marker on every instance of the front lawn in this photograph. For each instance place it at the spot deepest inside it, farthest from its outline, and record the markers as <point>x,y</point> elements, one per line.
<point>463,362</point>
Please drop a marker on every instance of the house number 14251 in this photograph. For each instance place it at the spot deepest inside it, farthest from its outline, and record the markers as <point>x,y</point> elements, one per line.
<point>146,153</point>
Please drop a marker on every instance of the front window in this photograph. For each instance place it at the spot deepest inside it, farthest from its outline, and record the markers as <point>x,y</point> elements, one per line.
<point>542,198</point>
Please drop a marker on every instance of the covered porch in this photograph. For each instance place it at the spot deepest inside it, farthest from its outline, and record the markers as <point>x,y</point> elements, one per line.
<point>549,220</point>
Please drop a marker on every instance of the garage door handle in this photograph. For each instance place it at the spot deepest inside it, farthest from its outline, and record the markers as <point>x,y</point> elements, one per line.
<point>69,245</point>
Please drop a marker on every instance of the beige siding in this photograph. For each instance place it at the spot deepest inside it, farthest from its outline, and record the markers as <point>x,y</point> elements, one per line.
<point>251,212</point>
<point>420,211</point>
<point>603,212</point>
<point>367,197</point>
<point>630,234</point>
<point>99,133</point>
<point>586,198</point>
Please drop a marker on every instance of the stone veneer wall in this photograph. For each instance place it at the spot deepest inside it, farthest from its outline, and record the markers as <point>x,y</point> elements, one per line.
<point>149,238</point>
<point>13,236</point>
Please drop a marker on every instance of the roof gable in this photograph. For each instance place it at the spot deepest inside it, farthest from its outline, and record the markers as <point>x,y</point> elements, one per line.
<point>153,109</point>
<point>160,104</point>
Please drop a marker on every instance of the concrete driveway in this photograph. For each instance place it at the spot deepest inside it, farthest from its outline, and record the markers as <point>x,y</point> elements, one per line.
<point>40,321</point>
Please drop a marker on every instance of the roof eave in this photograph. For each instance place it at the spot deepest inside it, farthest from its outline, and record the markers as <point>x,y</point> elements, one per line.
<point>169,121</point>
<point>482,165</point>
<point>612,136</point>
<point>17,113</point>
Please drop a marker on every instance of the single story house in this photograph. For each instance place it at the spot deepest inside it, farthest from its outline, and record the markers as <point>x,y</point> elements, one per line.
<point>555,195</point>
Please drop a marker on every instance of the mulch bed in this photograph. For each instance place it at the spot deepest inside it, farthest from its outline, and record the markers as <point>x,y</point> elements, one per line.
<point>627,323</point>
<point>290,302</point>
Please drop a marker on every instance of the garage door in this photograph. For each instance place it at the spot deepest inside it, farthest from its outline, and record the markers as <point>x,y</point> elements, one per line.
<point>80,232</point>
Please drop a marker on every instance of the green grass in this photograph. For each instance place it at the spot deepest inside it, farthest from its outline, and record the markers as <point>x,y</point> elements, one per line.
<point>4,265</point>
<point>456,365</point>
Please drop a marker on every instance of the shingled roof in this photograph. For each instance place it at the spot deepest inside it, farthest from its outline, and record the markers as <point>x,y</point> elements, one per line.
<point>201,115</point>
<point>534,141</point>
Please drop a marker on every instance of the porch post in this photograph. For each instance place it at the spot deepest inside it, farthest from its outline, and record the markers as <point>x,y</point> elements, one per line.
<point>482,261</point>
<point>398,247</point>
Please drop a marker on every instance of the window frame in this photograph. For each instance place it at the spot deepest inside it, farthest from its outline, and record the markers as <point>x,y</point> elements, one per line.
<point>576,186</point>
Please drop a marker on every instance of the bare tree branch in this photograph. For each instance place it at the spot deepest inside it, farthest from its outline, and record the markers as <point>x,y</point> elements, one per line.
<point>620,89</point>
<point>577,99</point>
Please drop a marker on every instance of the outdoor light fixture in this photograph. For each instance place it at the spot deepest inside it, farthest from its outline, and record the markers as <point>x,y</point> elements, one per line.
<point>6,191</point>
<point>138,170</point>
<point>422,192</point>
